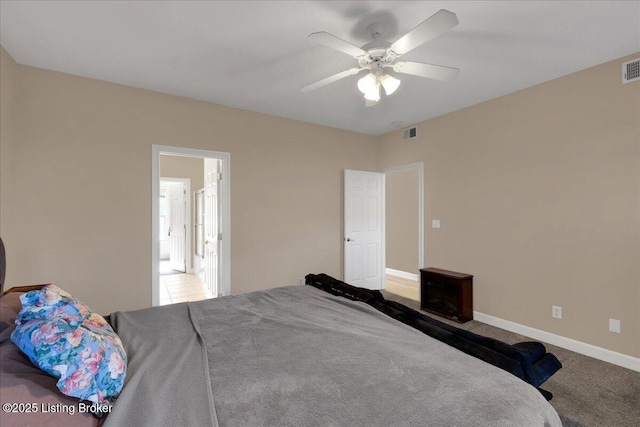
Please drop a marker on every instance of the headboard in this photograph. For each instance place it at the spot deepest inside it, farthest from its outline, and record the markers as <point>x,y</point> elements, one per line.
<point>3,265</point>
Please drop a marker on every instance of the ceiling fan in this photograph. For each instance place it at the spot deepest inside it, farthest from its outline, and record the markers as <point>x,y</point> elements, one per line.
<point>379,54</point>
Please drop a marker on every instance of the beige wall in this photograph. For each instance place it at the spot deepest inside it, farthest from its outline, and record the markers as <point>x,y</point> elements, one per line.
<point>83,187</point>
<point>538,193</point>
<point>7,141</point>
<point>401,197</point>
<point>191,168</point>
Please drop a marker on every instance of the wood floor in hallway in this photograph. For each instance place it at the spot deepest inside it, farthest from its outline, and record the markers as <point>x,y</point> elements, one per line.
<point>404,287</point>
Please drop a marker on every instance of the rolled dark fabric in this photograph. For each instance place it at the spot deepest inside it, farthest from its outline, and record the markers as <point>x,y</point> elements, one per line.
<point>339,288</point>
<point>532,349</point>
<point>544,368</point>
<point>392,312</point>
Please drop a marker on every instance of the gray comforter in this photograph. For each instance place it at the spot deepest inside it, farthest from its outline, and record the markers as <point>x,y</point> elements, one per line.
<point>297,356</point>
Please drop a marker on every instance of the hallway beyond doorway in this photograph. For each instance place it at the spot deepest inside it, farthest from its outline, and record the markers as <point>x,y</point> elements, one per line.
<point>181,287</point>
<point>165,268</point>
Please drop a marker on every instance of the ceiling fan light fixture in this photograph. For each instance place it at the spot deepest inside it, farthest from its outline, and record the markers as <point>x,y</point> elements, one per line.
<point>368,83</point>
<point>390,84</point>
<point>373,94</point>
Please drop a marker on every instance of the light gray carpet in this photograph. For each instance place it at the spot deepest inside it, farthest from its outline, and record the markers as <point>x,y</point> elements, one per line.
<point>586,391</point>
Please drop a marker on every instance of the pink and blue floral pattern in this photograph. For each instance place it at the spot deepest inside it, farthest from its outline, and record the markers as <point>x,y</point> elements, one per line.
<point>64,338</point>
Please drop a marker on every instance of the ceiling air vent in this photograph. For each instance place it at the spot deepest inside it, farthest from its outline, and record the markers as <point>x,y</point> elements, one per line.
<point>631,71</point>
<point>410,133</point>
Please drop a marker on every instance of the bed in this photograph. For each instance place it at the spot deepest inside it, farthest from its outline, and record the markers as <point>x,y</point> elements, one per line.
<point>290,356</point>
<point>301,356</point>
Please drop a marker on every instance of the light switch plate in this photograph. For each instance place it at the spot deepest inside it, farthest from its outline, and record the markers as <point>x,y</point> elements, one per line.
<point>435,223</point>
<point>556,311</point>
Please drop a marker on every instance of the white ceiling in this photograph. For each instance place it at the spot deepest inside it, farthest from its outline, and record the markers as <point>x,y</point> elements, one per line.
<point>256,56</point>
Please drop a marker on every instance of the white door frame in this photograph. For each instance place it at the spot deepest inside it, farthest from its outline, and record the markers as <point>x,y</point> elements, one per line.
<point>188,261</point>
<point>225,225</point>
<point>419,166</point>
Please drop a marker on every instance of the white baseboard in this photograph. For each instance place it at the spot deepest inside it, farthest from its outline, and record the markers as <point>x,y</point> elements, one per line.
<point>600,353</point>
<point>402,274</point>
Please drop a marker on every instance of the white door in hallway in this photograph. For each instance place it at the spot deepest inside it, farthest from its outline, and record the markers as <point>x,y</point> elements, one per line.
<point>212,235</point>
<point>364,229</point>
<point>177,226</point>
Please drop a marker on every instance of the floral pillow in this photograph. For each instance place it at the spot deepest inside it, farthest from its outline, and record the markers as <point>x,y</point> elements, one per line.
<point>67,340</point>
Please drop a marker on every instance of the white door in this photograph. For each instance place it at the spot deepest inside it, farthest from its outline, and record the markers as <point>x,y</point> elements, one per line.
<point>211,226</point>
<point>364,229</point>
<point>177,226</point>
<point>199,232</point>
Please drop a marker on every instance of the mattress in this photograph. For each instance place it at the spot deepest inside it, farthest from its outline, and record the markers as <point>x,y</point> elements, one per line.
<point>298,356</point>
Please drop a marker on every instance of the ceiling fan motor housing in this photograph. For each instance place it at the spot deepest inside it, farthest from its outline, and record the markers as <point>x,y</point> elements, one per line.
<point>375,55</point>
<point>376,48</point>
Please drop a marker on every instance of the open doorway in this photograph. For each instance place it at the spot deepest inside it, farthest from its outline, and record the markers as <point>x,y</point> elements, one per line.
<point>190,224</point>
<point>384,229</point>
<point>177,282</point>
<point>404,229</point>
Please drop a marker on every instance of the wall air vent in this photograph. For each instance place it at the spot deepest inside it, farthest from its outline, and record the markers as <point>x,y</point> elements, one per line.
<point>410,133</point>
<point>631,71</point>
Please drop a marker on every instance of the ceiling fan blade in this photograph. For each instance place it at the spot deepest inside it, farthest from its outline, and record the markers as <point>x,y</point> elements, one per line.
<point>334,42</point>
<point>435,25</point>
<point>430,71</point>
<point>331,79</point>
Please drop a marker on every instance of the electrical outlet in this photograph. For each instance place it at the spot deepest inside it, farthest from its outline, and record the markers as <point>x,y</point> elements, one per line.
<point>435,223</point>
<point>300,280</point>
<point>614,326</point>
<point>556,311</point>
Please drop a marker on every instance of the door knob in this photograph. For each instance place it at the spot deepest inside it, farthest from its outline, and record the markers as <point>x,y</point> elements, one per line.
<point>349,239</point>
<point>206,242</point>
